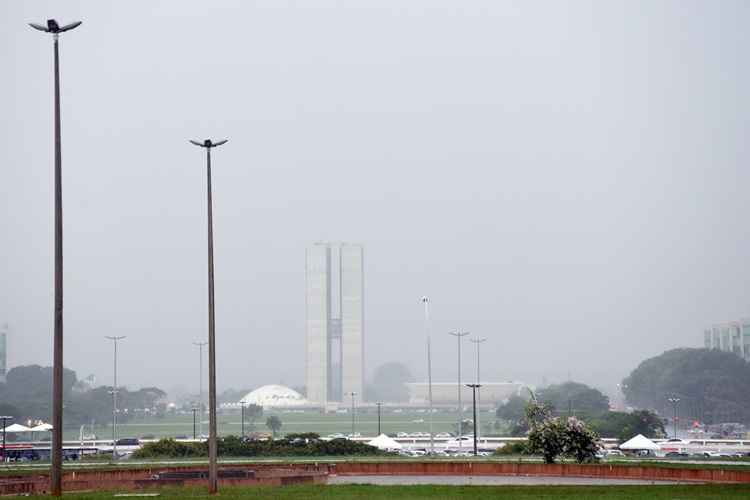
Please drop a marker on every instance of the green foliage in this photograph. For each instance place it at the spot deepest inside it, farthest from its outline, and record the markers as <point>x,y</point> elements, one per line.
<point>274,423</point>
<point>624,426</point>
<point>553,436</point>
<point>514,409</point>
<point>308,444</point>
<point>514,448</point>
<point>581,398</point>
<point>711,384</point>
<point>29,390</point>
<point>389,383</point>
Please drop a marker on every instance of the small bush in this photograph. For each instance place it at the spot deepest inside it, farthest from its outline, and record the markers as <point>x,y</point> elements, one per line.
<point>514,448</point>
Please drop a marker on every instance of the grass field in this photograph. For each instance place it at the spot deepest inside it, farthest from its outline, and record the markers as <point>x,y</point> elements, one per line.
<point>671,492</point>
<point>324,424</point>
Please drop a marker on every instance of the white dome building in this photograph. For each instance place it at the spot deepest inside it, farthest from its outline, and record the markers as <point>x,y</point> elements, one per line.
<point>275,396</point>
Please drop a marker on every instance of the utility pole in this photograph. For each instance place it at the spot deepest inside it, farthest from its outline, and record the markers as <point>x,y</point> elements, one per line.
<point>200,345</point>
<point>194,410</point>
<point>477,341</point>
<point>5,419</point>
<point>242,426</point>
<point>674,400</point>
<point>57,358</point>
<point>213,470</point>
<point>379,405</point>
<point>114,397</point>
<point>474,388</point>
<point>458,336</point>
<point>354,409</point>
<point>425,302</point>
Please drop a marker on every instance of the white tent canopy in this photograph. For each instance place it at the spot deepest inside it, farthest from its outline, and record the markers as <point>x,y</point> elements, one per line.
<point>42,428</point>
<point>17,428</point>
<point>383,442</point>
<point>639,442</point>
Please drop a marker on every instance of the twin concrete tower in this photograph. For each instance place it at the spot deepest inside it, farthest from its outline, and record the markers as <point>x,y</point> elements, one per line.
<point>335,315</point>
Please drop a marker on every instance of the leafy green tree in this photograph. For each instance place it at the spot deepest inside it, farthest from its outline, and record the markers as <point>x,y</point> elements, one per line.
<point>624,426</point>
<point>274,423</point>
<point>513,410</point>
<point>711,384</point>
<point>252,413</point>
<point>554,436</point>
<point>581,398</point>
<point>389,383</point>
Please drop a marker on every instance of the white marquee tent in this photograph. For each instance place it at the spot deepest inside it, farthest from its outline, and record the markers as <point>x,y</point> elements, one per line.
<point>639,442</point>
<point>383,442</point>
<point>17,428</point>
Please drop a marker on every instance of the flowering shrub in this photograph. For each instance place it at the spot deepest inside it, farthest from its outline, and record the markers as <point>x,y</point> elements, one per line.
<point>553,436</point>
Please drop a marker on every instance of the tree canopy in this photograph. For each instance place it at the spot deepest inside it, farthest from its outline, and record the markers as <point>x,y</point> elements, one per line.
<point>623,426</point>
<point>712,385</point>
<point>389,383</point>
<point>581,398</point>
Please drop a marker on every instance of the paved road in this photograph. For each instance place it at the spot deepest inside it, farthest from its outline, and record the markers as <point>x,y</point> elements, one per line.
<point>486,480</point>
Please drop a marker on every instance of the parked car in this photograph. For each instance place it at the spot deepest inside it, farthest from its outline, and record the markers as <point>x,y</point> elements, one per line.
<point>128,442</point>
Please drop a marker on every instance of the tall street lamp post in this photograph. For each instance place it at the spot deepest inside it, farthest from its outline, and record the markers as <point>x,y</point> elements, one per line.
<point>114,396</point>
<point>354,409</point>
<point>213,476</point>
<point>674,401</point>
<point>379,405</point>
<point>477,341</point>
<point>458,336</point>
<point>242,425</point>
<point>425,303</point>
<point>57,361</point>
<point>474,389</point>
<point>200,385</point>
<point>5,419</point>
<point>194,410</point>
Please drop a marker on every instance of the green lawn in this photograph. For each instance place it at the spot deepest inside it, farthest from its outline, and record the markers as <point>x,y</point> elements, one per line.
<point>310,421</point>
<point>671,492</point>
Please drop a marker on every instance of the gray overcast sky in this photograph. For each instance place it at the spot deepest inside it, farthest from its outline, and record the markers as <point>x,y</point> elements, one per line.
<point>568,179</point>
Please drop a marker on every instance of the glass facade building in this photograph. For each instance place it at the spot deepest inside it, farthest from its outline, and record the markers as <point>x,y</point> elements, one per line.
<point>729,337</point>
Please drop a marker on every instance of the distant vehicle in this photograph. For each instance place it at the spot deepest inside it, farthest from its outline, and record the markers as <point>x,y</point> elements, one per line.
<point>443,435</point>
<point>181,436</point>
<point>402,435</point>
<point>337,435</point>
<point>676,454</point>
<point>614,453</point>
<point>128,442</point>
<point>676,440</point>
<point>711,454</point>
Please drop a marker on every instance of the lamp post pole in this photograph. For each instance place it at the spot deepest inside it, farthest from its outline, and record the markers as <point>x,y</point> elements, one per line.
<point>57,358</point>
<point>476,341</point>
<point>5,419</point>
<point>425,302</point>
<point>379,405</point>
<point>114,396</point>
<point>194,410</point>
<point>458,336</point>
<point>474,388</point>
<point>200,386</point>
<point>352,394</point>
<point>213,472</point>
<point>242,425</point>
<point>674,401</point>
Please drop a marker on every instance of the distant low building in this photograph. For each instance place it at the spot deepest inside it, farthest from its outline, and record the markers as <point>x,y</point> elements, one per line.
<point>445,394</point>
<point>729,337</point>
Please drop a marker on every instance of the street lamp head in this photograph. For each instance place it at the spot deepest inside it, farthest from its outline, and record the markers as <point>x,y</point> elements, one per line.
<point>208,143</point>
<point>53,27</point>
<point>424,300</point>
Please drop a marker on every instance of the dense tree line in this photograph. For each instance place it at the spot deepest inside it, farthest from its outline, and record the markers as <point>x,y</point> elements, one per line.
<point>712,385</point>
<point>308,444</point>
<point>27,394</point>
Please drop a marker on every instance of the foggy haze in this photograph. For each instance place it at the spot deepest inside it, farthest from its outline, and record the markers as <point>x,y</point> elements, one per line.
<point>568,180</point>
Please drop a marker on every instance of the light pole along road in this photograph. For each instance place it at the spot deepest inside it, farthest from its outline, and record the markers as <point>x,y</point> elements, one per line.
<point>478,428</point>
<point>425,303</point>
<point>57,357</point>
<point>213,473</point>
<point>458,336</point>
<point>114,396</point>
<point>200,386</point>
